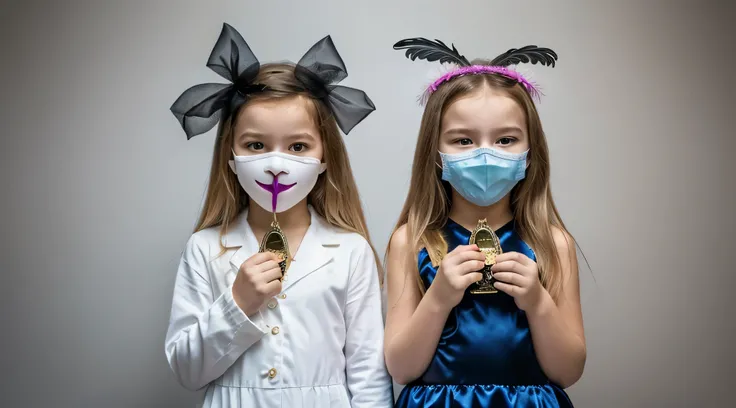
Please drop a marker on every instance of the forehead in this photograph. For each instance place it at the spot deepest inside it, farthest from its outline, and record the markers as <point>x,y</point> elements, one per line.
<point>280,116</point>
<point>484,109</point>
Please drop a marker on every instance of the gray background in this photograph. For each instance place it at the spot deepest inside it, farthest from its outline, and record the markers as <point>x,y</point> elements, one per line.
<point>100,188</point>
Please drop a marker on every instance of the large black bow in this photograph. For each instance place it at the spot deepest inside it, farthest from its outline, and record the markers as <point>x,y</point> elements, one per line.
<point>200,107</point>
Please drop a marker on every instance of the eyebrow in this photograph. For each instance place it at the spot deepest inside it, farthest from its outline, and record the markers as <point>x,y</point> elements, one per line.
<point>506,129</point>
<point>460,130</point>
<point>301,135</point>
<point>258,135</point>
<point>471,132</point>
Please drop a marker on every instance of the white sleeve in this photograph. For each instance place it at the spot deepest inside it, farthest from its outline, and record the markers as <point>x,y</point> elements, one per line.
<point>369,384</point>
<point>205,335</point>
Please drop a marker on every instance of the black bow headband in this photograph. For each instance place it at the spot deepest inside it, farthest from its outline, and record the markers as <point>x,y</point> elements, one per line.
<point>200,107</point>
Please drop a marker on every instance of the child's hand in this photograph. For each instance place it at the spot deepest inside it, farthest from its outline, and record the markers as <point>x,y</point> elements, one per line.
<point>458,270</point>
<point>518,276</point>
<point>258,279</point>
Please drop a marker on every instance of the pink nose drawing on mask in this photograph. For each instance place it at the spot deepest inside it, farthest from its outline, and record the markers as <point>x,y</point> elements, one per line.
<point>275,188</point>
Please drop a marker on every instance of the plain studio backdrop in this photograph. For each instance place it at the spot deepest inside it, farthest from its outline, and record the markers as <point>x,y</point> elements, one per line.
<point>101,189</point>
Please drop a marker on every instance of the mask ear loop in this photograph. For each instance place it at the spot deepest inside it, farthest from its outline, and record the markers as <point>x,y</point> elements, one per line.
<point>231,162</point>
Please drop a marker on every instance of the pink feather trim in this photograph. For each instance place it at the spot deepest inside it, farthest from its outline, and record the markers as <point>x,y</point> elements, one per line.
<point>532,88</point>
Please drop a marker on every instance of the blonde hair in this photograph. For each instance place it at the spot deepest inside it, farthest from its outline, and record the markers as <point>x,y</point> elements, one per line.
<point>335,195</point>
<point>428,202</point>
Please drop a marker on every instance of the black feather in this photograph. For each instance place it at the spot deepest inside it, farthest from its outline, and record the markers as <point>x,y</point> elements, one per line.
<point>429,50</point>
<point>529,54</point>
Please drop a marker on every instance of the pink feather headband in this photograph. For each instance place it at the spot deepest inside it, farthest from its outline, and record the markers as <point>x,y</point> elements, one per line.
<point>530,87</point>
<point>423,48</point>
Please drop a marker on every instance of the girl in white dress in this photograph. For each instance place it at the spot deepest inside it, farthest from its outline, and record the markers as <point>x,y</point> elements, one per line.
<point>237,329</point>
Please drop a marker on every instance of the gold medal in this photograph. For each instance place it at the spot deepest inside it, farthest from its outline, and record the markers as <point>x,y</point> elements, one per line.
<point>275,241</point>
<point>489,244</point>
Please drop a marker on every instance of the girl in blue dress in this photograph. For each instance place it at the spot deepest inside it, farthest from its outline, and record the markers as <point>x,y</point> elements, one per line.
<point>482,154</point>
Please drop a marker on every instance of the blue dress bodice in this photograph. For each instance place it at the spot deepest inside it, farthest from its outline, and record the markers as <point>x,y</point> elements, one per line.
<point>485,355</point>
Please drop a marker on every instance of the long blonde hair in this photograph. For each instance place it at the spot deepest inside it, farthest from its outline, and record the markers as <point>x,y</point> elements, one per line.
<point>428,202</point>
<point>335,195</point>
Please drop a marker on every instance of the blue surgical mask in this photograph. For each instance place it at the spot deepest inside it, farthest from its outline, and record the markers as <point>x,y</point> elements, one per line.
<point>483,176</point>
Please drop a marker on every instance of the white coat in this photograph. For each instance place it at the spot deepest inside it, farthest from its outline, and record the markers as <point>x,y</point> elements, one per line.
<point>318,344</point>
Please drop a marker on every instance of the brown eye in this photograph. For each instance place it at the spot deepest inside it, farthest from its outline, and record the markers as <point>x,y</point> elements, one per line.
<point>465,142</point>
<point>298,147</point>
<point>505,141</point>
<point>255,146</point>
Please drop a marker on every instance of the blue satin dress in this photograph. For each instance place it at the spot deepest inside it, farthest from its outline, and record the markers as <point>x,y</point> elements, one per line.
<point>485,357</point>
